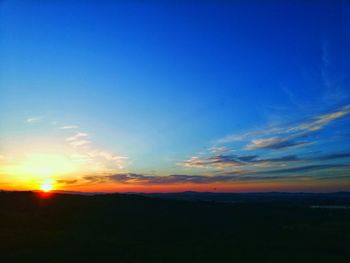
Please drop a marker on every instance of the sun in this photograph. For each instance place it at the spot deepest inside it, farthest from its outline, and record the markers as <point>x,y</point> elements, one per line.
<point>40,170</point>
<point>46,186</point>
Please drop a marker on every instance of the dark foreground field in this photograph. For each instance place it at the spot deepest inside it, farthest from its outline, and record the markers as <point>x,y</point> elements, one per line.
<point>129,228</point>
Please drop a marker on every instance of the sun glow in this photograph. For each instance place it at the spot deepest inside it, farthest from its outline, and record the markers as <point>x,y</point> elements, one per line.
<point>44,165</point>
<point>39,170</point>
<point>47,186</point>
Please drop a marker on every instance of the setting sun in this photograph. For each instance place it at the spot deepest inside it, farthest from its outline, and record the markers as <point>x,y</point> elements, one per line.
<point>39,170</point>
<point>46,186</point>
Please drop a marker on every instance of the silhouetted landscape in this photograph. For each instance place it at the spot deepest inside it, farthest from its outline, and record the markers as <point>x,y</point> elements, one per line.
<point>181,227</point>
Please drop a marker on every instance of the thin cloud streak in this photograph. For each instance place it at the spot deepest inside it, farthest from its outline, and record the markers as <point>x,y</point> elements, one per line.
<point>69,127</point>
<point>321,121</point>
<point>286,136</point>
<point>32,120</point>
<point>102,159</point>
<point>78,140</point>
<point>274,143</point>
<point>224,161</point>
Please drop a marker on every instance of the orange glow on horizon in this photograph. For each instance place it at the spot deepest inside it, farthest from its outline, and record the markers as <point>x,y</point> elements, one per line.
<point>238,187</point>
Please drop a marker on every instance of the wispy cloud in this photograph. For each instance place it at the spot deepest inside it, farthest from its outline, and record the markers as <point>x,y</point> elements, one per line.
<point>106,155</point>
<point>32,120</point>
<point>77,136</point>
<point>241,137</point>
<point>69,127</point>
<point>289,135</point>
<point>274,143</point>
<point>196,162</point>
<point>79,143</point>
<point>229,161</point>
<point>319,122</point>
<point>301,130</point>
<point>89,153</point>
<point>220,149</point>
<point>292,134</point>
<point>78,140</point>
<point>107,159</point>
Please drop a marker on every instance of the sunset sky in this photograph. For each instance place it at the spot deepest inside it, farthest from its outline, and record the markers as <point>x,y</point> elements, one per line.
<point>219,96</point>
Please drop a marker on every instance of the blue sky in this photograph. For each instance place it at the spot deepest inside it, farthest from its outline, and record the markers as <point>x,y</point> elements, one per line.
<point>146,91</point>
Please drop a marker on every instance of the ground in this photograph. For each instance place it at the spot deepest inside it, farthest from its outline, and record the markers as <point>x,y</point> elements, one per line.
<point>136,228</point>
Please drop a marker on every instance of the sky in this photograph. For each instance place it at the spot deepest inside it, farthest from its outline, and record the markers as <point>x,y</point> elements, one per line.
<point>129,96</point>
